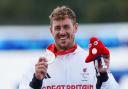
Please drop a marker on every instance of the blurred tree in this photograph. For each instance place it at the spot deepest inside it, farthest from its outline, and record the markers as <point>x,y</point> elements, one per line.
<point>29,12</point>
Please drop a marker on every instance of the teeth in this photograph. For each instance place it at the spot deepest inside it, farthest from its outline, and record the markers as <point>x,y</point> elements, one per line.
<point>63,38</point>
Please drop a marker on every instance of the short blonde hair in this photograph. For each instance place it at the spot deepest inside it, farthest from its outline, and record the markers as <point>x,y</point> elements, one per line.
<point>62,12</point>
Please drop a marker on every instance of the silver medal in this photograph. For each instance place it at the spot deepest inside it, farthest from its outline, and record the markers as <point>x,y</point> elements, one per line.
<point>50,57</point>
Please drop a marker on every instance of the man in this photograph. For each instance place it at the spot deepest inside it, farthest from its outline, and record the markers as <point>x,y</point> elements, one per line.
<point>69,70</point>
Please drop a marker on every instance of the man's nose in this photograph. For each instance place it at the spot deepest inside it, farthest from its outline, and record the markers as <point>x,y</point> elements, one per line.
<point>62,31</point>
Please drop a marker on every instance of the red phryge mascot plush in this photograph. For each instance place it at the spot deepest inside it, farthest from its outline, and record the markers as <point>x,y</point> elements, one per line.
<point>97,53</point>
<point>97,50</point>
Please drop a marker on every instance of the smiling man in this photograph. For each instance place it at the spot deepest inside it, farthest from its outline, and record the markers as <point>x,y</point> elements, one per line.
<point>69,70</point>
<point>63,32</point>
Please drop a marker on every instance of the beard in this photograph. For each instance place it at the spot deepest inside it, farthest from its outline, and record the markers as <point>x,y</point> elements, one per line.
<point>66,45</point>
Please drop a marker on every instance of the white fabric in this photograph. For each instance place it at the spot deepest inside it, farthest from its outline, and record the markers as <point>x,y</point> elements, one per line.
<point>70,72</point>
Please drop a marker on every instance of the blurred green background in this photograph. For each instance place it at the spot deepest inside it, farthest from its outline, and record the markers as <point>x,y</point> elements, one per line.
<point>36,12</point>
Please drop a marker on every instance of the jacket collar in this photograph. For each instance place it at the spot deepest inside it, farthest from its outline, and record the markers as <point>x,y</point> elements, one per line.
<point>53,49</point>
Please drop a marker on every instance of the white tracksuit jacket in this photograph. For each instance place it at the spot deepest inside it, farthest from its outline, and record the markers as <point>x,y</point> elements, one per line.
<point>70,72</point>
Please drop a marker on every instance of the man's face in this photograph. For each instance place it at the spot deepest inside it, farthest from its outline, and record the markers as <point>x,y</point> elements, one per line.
<point>63,32</point>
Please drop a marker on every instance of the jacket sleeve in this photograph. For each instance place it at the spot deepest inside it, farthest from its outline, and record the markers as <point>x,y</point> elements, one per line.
<point>110,83</point>
<point>35,83</point>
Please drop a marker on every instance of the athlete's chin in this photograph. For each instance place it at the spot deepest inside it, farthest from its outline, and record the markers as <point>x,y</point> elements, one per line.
<point>64,46</point>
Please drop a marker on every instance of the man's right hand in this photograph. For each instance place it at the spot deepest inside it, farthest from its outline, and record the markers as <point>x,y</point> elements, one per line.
<point>41,68</point>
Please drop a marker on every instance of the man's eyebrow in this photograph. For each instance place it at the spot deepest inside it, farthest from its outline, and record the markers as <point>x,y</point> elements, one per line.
<point>67,25</point>
<point>57,26</point>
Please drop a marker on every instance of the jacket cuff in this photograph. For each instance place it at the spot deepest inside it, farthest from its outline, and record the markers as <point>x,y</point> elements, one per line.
<point>100,79</point>
<point>35,83</point>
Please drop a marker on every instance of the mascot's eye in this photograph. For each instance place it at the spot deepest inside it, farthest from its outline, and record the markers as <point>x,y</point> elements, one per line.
<point>90,45</point>
<point>95,42</point>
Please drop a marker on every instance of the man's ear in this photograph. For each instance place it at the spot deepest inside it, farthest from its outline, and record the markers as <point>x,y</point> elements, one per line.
<point>76,27</point>
<point>50,29</point>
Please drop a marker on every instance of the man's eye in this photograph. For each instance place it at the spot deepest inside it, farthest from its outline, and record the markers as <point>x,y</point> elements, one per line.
<point>66,27</point>
<point>57,28</point>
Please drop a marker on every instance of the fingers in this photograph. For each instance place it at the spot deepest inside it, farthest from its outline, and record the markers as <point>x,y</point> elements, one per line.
<point>106,63</point>
<point>102,65</point>
<point>42,59</point>
<point>42,63</point>
<point>41,68</point>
